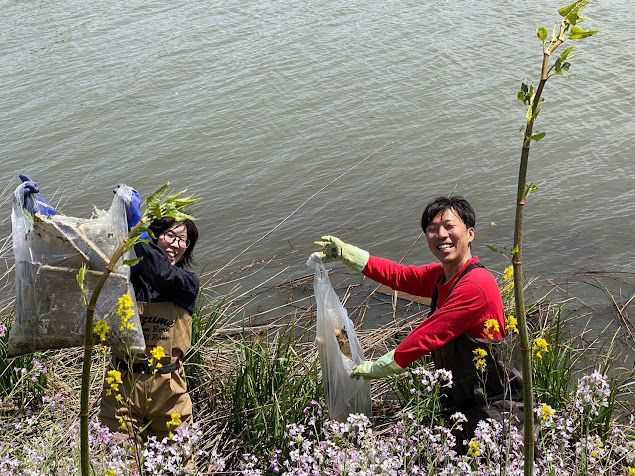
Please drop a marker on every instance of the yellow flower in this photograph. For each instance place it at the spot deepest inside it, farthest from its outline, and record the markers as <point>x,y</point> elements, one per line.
<point>157,354</point>
<point>508,274</point>
<point>125,311</point>
<point>122,422</point>
<point>508,277</point>
<point>540,346</point>
<point>113,379</point>
<point>114,376</point>
<point>546,412</point>
<point>176,421</point>
<point>474,449</point>
<point>631,471</point>
<point>491,326</point>
<point>479,359</point>
<point>512,323</point>
<point>111,472</point>
<point>102,329</point>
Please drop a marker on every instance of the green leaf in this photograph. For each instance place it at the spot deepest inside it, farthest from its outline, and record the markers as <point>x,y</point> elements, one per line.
<point>523,94</point>
<point>180,216</point>
<point>529,115</point>
<point>565,53</point>
<point>530,188</point>
<point>174,206</point>
<point>562,68</point>
<point>81,275</point>
<point>565,70</point>
<point>542,33</point>
<point>571,13</point>
<point>183,202</point>
<point>153,202</point>
<point>515,251</point>
<point>578,33</point>
<point>132,262</point>
<point>538,109</point>
<point>524,87</point>
<point>495,250</point>
<point>538,136</point>
<point>81,278</point>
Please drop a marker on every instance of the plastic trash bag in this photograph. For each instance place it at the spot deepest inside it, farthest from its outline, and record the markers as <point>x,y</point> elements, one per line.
<point>49,307</point>
<point>344,395</point>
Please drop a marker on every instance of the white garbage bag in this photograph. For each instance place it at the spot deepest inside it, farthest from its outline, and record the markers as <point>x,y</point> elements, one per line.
<point>343,394</point>
<point>50,312</point>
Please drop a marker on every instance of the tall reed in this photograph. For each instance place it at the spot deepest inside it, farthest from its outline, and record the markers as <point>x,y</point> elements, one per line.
<point>571,16</point>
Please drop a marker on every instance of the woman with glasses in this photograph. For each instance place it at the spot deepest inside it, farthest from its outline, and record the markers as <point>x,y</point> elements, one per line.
<point>153,389</point>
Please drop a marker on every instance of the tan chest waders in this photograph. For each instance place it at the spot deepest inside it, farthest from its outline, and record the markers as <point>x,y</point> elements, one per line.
<point>151,398</point>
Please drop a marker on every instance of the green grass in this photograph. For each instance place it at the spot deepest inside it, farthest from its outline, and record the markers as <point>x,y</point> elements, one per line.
<point>274,380</point>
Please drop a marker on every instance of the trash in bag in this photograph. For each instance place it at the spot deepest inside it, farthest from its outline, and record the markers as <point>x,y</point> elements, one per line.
<point>339,350</point>
<point>50,312</point>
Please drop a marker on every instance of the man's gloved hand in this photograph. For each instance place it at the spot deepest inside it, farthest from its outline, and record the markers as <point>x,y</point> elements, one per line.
<point>41,205</point>
<point>335,249</point>
<point>382,367</point>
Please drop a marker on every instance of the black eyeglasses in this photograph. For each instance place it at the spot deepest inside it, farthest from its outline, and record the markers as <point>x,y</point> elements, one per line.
<point>172,237</point>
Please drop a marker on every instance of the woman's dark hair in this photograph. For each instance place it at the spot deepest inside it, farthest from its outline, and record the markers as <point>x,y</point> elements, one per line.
<point>158,227</point>
<point>460,205</point>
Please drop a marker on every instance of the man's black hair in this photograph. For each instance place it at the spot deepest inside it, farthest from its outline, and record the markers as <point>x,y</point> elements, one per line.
<point>160,226</point>
<point>460,206</point>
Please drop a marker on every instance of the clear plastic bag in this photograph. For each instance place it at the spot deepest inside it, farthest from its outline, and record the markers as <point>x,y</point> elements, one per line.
<point>50,312</point>
<point>344,395</point>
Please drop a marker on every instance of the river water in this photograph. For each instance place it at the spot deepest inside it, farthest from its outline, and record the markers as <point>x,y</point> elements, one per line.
<point>257,106</point>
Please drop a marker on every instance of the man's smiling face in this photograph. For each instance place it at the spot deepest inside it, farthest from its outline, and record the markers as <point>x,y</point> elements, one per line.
<point>449,240</point>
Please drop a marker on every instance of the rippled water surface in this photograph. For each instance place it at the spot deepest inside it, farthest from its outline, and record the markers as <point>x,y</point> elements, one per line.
<point>256,106</point>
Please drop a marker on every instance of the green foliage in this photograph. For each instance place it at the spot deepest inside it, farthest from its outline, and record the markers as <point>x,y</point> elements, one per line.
<point>571,14</point>
<point>272,385</point>
<point>565,54</point>
<point>554,372</point>
<point>529,188</point>
<point>496,250</point>
<point>81,277</point>
<point>132,262</point>
<point>561,68</point>
<point>527,93</point>
<point>173,205</point>
<point>208,317</point>
<point>153,202</point>
<point>415,394</point>
<point>578,34</point>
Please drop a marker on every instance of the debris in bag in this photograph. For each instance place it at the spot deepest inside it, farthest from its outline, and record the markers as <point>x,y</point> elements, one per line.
<point>50,312</point>
<point>343,343</point>
<point>339,350</point>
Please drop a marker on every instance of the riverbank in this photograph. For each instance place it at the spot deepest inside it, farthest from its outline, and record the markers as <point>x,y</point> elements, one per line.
<point>253,370</point>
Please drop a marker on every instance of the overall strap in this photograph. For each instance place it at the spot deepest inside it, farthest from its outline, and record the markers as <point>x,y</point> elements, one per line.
<point>435,294</point>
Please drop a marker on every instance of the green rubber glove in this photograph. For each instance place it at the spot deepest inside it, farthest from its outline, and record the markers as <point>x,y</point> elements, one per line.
<point>335,249</point>
<point>382,367</point>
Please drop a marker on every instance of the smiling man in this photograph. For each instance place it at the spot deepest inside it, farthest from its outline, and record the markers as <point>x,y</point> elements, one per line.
<point>466,312</point>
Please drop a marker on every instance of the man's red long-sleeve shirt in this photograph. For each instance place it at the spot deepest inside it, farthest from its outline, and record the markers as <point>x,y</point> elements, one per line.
<point>475,299</point>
